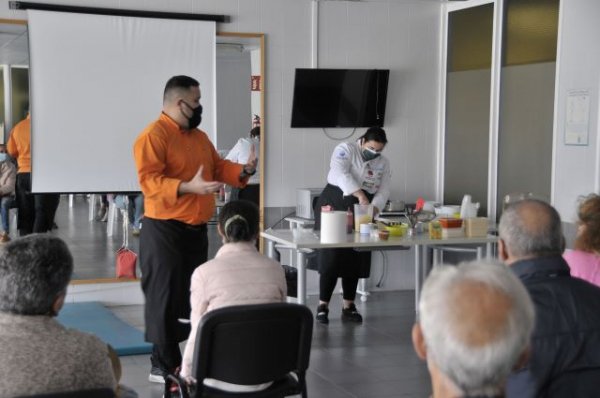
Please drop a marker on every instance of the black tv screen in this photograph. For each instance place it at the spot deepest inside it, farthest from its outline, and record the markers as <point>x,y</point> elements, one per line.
<point>339,97</point>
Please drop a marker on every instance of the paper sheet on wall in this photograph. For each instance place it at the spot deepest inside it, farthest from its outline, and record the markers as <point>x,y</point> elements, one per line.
<point>577,117</point>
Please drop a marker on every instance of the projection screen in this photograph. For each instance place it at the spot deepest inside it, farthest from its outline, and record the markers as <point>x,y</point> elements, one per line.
<point>96,82</point>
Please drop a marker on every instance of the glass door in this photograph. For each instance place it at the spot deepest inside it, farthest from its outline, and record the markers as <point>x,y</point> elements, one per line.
<point>468,95</point>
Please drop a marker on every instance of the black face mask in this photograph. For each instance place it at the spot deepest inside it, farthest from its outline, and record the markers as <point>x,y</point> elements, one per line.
<point>369,154</point>
<point>196,118</point>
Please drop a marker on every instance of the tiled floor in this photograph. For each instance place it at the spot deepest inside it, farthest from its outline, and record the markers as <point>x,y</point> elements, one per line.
<point>93,251</point>
<point>372,360</point>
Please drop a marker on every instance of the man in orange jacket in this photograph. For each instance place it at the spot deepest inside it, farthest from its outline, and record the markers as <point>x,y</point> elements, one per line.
<point>36,212</point>
<point>178,170</point>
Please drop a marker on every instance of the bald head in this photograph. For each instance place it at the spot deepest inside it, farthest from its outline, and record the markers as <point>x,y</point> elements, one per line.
<point>531,228</point>
<point>476,320</point>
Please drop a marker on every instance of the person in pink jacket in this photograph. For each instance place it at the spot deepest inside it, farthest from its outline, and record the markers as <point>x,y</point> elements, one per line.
<point>584,261</point>
<point>238,275</point>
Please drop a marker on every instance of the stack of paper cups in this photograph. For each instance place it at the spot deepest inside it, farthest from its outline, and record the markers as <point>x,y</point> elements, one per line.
<point>333,226</point>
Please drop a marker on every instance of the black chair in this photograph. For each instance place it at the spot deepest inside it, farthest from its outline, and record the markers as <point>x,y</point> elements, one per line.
<point>93,393</point>
<point>251,344</point>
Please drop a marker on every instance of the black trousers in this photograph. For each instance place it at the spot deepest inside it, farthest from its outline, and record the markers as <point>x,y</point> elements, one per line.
<point>170,251</point>
<point>166,357</point>
<point>36,212</point>
<point>338,263</point>
<point>327,282</point>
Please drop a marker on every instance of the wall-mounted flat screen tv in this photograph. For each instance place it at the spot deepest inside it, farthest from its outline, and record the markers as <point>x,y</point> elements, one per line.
<point>339,97</point>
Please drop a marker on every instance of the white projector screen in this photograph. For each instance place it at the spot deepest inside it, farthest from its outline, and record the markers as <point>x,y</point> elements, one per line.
<point>96,82</point>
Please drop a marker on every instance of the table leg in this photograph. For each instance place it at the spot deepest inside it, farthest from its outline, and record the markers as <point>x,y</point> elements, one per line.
<point>112,217</point>
<point>362,289</point>
<point>271,249</point>
<point>301,265</point>
<point>92,208</point>
<point>426,264</point>
<point>479,252</point>
<point>435,256</point>
<point>417,276</point>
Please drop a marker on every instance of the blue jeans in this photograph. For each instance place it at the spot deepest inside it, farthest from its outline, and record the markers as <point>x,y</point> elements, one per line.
<point>135,208</point>
<point>5,205</point>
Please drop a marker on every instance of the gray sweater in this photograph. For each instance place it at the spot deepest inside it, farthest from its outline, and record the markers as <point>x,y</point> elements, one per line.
<point>39,355</point>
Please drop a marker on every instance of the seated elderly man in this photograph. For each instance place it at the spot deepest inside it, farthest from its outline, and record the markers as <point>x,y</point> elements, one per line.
<point>475,321</point>
<point>565,345</point>
<point>37,354</point>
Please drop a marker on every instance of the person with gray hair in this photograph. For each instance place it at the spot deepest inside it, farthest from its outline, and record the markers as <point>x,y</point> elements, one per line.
<point>475,322</point>
<point>565,359</point>
<point>37,354</point>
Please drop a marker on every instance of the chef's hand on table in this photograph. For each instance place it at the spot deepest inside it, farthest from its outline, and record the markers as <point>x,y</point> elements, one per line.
<point>362,198</point>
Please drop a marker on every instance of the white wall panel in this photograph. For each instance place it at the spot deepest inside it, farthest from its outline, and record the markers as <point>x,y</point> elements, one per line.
<point>250,9</point>
<point>578,64</point>
<point>124,4</point>
<point>161,5</point>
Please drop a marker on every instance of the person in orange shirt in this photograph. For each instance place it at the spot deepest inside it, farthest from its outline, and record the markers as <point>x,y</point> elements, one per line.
<point>178,170</point>
<point>36,212</point>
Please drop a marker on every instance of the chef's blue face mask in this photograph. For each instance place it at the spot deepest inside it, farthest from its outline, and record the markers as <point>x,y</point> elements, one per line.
<point>196,118</point>
<point>369,154</point>
<point>3,157</point>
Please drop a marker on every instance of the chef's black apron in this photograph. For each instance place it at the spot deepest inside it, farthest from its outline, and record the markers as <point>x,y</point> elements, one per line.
<point>346,262</point>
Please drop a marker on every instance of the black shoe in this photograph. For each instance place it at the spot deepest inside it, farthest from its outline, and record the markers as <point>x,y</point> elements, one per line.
<point>351,314</point>
<point>322,314</point>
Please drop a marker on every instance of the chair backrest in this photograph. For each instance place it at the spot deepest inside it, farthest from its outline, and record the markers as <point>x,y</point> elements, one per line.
<point>93,393</point>
<point>253,344</point>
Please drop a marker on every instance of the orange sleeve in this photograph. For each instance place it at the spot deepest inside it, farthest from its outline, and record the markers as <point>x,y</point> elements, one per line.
<point>150,158</point>
<point>227,171</point>
<point>11,146</point>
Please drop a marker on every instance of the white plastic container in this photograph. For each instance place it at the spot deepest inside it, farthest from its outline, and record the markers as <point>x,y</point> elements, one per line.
<point>333,226</point>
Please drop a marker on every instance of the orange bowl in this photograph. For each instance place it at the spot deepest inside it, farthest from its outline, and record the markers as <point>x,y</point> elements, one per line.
<point>451,222</point>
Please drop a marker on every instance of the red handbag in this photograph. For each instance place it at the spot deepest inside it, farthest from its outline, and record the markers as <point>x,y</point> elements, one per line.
<point>126,259</point>
<point>126,262</point>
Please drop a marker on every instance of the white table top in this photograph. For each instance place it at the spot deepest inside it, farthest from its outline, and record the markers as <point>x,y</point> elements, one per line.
<point>311,240</point>
<point>299,220</point>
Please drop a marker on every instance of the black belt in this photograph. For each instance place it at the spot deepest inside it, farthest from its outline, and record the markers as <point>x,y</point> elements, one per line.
<point>193,227</point>
<point>181,224</point>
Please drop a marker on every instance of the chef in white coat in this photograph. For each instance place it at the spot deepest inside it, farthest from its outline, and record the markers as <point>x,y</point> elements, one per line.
<point>240,153</point>
<point>358,174</point>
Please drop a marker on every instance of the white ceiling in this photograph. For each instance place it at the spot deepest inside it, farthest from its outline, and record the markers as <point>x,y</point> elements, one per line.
<point>13,44</point>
